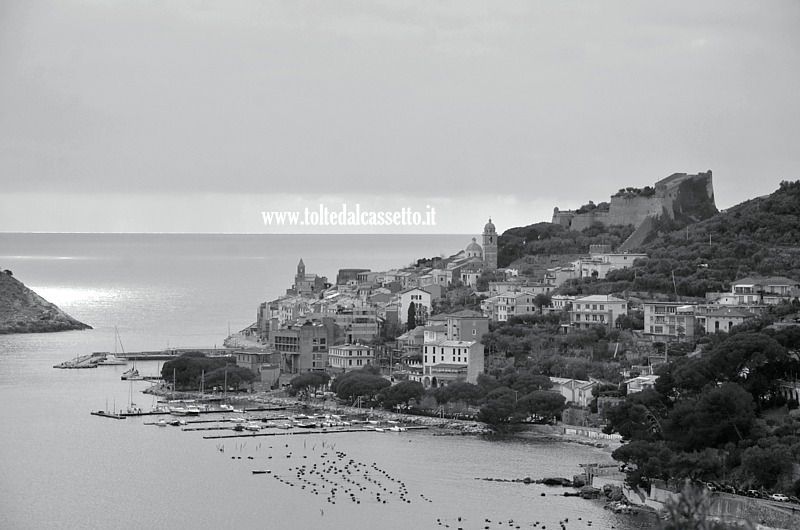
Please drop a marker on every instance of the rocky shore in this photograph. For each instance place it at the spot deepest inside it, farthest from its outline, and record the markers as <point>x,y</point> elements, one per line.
<point>24,311</point>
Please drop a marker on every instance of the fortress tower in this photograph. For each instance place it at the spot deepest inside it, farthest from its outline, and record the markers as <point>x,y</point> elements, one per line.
<point>489,246</point>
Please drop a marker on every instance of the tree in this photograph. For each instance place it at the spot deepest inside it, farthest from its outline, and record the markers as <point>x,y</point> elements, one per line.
<point>498,407</point>
<point>235,376</point>
<point>525,382</point>
<point>364,382</point>
<point>766,465</point>
<point>650,460</point>
<point>401,393</point>
<point>634,418</point>
<point>723,414</point>
<point>412,316</point>
<point>310,380</point>
<point>188,370</point>
<point>542,404</point>
<point>459,391</point>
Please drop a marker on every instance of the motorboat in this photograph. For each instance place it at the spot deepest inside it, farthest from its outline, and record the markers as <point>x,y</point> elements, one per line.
<point>192,410</point>
<point>252,427</point>
<point>178,411</point>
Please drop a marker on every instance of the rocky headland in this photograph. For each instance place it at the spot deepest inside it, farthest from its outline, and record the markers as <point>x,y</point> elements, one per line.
<point>24,311</point>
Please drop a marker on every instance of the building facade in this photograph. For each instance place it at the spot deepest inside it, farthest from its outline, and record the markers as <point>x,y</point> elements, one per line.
<point>596,310</point>
<point>302,348</point>
<point>350,357</point>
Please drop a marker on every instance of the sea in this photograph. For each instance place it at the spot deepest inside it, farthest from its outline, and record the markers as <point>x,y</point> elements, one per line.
<point>61,467</point>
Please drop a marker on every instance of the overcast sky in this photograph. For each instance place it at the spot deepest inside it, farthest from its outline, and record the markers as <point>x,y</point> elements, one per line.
<point>196,116</point>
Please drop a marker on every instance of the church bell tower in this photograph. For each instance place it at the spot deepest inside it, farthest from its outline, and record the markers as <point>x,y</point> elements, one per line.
<point>489,246</point>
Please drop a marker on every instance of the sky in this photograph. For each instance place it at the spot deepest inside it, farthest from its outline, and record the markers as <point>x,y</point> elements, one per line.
<point>199,116</point>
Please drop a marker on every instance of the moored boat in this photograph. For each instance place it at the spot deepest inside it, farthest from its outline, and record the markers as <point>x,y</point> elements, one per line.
<point>110,359</point>
<point>132,373</point>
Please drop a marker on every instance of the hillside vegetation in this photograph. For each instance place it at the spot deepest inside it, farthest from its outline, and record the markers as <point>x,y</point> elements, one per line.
<point>758,237</point>
<point>549,239</point>
<point>24,311</point>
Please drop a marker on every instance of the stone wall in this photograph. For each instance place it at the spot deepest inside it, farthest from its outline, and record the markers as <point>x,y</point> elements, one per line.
<point>634,210</point>
<point>687,195</point>
<point>731,508</point>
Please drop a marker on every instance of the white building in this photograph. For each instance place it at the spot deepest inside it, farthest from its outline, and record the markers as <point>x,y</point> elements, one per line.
<point>350,357</point>
<point>421,300</point>
<point>596,310</point>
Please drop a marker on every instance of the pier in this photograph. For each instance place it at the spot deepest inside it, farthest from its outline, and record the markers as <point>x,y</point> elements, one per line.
<point>90,360</point>
<point>172,353</point>
<point>84,361</point>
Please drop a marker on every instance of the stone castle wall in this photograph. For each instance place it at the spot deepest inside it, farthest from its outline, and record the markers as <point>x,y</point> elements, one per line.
<point>633,210</point>
<point>673,194</point>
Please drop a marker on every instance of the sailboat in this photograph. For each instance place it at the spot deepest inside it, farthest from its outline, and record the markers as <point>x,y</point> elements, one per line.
<point>132,373</point>
<point>113,359</point>
<point>132,408</point>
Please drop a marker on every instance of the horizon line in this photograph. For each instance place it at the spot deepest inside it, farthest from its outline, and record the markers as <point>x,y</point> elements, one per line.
<point>245,233</point>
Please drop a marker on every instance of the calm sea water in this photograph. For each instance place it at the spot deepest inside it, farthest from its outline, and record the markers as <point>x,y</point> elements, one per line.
<point>62,468</point>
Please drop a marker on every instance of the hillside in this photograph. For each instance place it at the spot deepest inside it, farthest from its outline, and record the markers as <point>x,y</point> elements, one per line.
<point>24,311</point>
<point>759,237</point>
<point>549,239</point>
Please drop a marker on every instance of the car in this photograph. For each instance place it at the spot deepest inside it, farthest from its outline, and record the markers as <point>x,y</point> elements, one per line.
<point>754,493</point>
<point>780,497</point>
<point>711,486</point>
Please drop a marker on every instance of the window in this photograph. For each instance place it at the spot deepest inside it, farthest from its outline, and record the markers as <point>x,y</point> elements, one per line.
<point>474,332</point>
<point>602,307</point>
<point>594,307</point>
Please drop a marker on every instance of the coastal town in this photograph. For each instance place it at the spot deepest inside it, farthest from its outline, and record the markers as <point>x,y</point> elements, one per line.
<point>659,340</point>
<point>548,338</point>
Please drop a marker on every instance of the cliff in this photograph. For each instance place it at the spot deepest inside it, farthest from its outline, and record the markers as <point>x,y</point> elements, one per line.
<point>24,311</point>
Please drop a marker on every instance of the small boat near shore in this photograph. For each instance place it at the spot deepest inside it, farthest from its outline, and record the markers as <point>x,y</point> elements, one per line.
<point>261,471</point>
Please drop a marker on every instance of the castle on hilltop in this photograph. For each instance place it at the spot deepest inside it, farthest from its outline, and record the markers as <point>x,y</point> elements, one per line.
<point>678,196</point>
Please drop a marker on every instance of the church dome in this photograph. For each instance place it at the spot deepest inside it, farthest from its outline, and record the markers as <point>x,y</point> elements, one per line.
<point>474,248</point>
<point>489,226</point>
